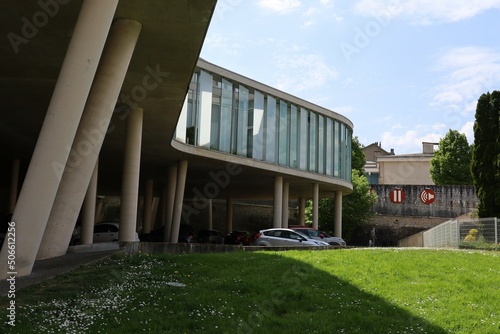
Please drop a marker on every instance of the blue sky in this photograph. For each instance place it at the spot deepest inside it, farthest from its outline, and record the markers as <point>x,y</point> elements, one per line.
<point>403,72</point>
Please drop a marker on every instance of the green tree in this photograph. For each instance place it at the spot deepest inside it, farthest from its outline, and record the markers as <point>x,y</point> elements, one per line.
<point>451,162</point>
<point>358,158</point>
<point>485,164</point>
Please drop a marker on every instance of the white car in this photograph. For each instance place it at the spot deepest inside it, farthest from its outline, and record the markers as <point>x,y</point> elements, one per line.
<point>105,232</point>
<point>284,237</point>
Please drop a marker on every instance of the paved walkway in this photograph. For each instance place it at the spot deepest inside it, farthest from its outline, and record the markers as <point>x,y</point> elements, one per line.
<point>50,268</point>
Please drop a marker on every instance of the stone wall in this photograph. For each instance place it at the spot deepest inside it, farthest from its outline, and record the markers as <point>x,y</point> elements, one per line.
<point>450,201</point>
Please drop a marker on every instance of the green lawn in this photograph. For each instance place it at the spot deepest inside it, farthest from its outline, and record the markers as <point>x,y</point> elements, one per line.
<point>333,291</point>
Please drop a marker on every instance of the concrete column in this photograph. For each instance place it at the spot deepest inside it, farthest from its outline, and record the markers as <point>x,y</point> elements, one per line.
<point>210,214</point>
<point>89,137</point>
<point>14,184</point>
<point>284,212</point>
<point>171,190</point>
<point>338,214</point>
<point>302,211</point>
<point>315,205</point>
<point>278,201</point>
<point>98,210</point>
<point>148,206</point>
<point>58,131</point>
<point>179,200</point>
<point>130,177</point>
<point>154,211</point>
<point>88,211</point>
<point>229,214</point>
<point>163,209</point>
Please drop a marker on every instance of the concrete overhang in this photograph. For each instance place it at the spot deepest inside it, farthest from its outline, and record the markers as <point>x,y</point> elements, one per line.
<point>32,50</point>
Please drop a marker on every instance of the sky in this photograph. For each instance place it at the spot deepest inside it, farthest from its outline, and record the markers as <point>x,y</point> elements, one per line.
<point>403,71</point>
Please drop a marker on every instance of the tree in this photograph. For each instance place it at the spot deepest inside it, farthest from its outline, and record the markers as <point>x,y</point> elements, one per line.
<point>485,164</point>
<point>451,162</point>
<point>358,158</point>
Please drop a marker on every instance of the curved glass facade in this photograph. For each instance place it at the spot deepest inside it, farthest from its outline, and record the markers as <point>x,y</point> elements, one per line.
<point>226,116</point>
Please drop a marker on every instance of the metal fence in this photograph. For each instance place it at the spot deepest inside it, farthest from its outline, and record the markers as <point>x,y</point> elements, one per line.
<point>480,233</point>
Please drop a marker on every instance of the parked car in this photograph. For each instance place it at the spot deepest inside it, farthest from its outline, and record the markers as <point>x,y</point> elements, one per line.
<point>285,237</point>
<point>244,238</point>
<point>209,237</point>
<point>104,232</point>
<point>319,235</point>
<point>186,235</point>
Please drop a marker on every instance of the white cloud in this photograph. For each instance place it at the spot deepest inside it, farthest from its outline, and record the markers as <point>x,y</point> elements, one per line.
<point>280,6</point>
<point>220,42</point>
<point>410,141</point>
<point>468,131</point>
<point>302,71</point>
<point>426,11</point>
<point>467,72</point>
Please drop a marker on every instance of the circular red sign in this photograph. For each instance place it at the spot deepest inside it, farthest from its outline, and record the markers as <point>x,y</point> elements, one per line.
<point>427,196</point>
<point>397,196</point>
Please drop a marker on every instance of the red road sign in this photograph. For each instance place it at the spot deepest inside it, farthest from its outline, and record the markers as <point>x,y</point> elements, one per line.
<point>397,196</point>
<point>427,196</point>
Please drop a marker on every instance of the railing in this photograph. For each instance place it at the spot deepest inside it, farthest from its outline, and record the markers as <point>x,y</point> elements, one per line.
<point>480,233</point>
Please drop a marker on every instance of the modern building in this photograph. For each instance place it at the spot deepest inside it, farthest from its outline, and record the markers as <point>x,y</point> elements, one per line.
<point>109,98</point>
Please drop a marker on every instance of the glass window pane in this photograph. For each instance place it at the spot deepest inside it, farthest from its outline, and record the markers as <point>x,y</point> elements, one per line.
<point>294,129</point>
<point>313,141</point>
<point>242,127</point>
<point>336,152</point>
<point>329,147</point>
<point>283,133</point>
<point>205,109</point>
<point>258,126</point>
<point>321,144</point>
<point>270,148</point>
<point>226,115</point>
<point>304,135</point>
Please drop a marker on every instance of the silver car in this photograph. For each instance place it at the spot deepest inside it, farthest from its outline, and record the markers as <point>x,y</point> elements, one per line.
<point>284,237</point>
<point>320,235</point>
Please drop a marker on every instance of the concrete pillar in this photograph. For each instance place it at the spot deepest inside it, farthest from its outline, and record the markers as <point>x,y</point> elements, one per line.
<point>154,211</point>
<point>14,184</point>
<point>89,137</point>
<point>302,211</point>
<point>278,201</point>
<point>89,210</point>
<point>229,214</point>
<point>315,205</point>
<point>163,209</point>
<point>284,213</point>
<point>338,214</point>
<point>98,210</point>
<point>171,190</point>
<point>130,177</point>
<point>148,207</point>
<point>58,131</point>
<point>179,200</point>
<point>210,214</point>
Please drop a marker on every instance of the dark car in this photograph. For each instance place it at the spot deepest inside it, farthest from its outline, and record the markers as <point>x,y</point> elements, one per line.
<point>209,237</point>
<point>186,235</point>
<point>319,235</point>
<point>244,238</point>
